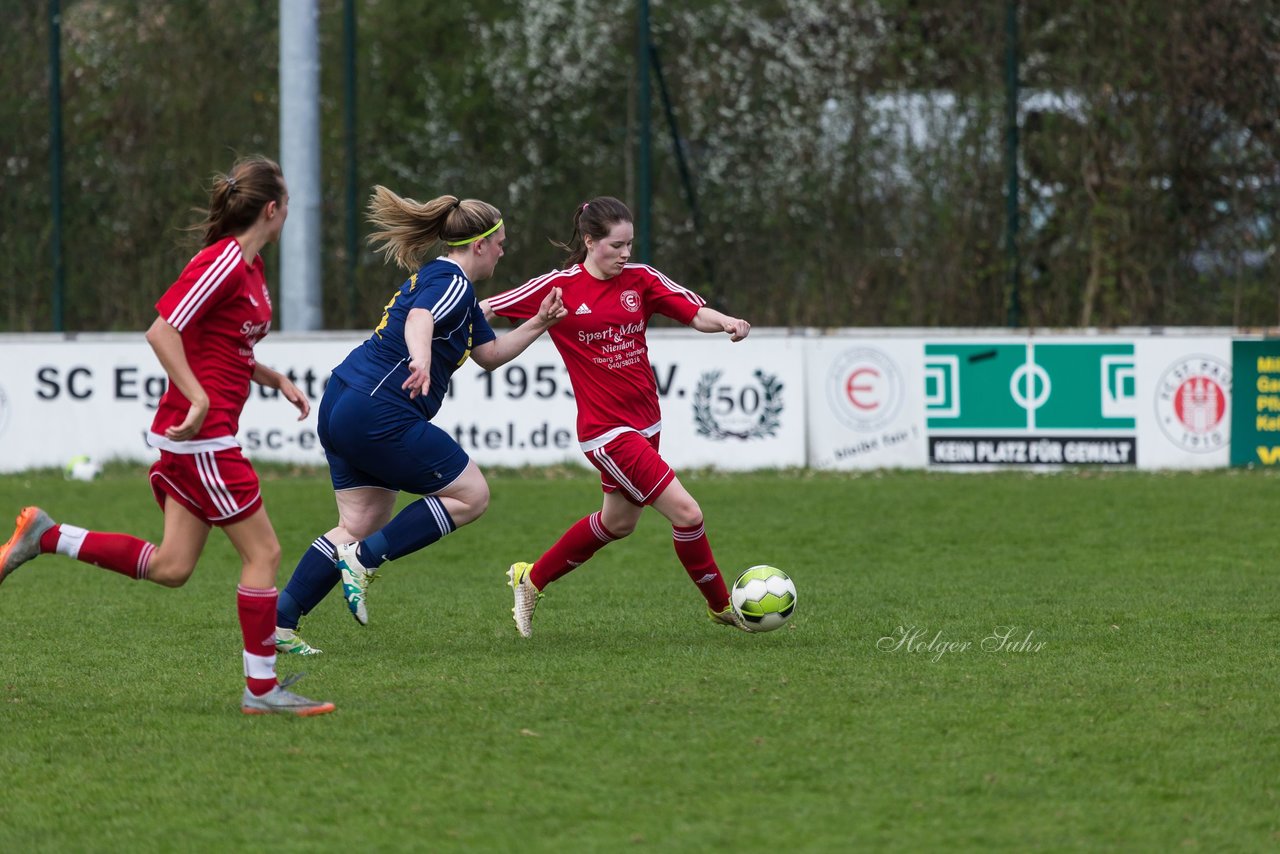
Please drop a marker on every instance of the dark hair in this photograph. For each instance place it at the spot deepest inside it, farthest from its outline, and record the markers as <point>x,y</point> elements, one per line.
<point>408,229</point>
<point>594,219</point>
<point>236,198</point>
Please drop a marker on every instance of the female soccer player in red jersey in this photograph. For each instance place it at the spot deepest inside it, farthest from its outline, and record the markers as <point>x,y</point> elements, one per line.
<point>209,321</point>
<point>602,342</point>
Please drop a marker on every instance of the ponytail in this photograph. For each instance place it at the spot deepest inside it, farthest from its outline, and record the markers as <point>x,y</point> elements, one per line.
<point>407,230</point>
<point>239,195</point>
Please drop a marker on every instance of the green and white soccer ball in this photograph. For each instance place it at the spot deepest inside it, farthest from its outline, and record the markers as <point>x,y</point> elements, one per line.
<point>82,468</point>
<point>764,597</point>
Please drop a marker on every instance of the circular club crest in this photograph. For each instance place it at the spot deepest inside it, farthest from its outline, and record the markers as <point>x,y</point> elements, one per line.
<point>630,300</point>
<point>864,389</point>
<point>1192,403</point>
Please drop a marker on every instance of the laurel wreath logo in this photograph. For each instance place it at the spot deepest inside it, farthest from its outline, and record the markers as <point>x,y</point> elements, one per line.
<point>770,410</point>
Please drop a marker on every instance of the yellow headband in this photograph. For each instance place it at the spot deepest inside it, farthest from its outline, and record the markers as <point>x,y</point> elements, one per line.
<point>497,225</point>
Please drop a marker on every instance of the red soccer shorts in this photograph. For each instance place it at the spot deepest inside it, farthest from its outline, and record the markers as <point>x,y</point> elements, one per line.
<point>631,463</point>
<point>219,487</point>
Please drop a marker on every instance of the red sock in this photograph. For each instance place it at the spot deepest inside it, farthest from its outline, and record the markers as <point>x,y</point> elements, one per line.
<point>120,553</point>
<point>258,627</point>
<point>575,547</point>
<point>695,553</point>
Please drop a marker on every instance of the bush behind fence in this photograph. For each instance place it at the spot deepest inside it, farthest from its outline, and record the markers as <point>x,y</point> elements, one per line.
<point>848,159</point>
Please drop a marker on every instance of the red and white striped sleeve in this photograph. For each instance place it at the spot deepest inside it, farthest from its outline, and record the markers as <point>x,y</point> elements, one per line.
<point>523,302</point>
<point>205,282</point>
<point>666,297</point>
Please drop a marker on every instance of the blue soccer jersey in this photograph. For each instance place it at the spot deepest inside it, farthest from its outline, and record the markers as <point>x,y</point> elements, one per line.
<point>380,365</point>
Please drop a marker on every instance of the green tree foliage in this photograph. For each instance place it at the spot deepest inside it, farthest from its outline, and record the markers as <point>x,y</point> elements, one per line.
<point>1156,189</point>
<point>156,97</point>
<point>847,158</point>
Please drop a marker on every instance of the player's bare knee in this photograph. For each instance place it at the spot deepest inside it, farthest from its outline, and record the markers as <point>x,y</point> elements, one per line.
<point>170,574</point>
<point>169,581</point>
<point>619,527</point>
<point>471,504</point>
<point>348,532</point>
<point>358,526</point>
<point>686,514</point>
<point>272,558</point>
<point>470,511</point>
<point>481,504</point>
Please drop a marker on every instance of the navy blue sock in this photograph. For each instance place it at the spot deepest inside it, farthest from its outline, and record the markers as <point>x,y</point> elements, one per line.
<point>415,527</point>
<point>288,611</point>
<point>315,576</point>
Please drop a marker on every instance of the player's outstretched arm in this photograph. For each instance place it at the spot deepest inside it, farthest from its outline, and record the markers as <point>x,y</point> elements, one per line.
<point>167,344</point>
<point>262,375</point>
<point>709,320</point>
<point>503,349</point>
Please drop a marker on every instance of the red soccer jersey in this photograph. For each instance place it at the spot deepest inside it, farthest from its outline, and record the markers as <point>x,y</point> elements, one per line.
<point>221,307</point>
<point>602,341</point>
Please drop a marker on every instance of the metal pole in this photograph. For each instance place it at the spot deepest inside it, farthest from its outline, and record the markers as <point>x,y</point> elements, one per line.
<point>686,177</point>
<point>300,270</point>
<point>349,134</point>
<point>682,164</point>
<point>1012,261</point>
<point>55,160</point>
<point>644,160</point>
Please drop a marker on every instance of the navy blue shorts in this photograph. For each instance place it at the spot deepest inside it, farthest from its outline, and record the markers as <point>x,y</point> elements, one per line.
<point>373,443</point>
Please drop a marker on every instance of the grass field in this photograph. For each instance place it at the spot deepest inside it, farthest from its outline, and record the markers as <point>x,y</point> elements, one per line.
<point>1139,715</point>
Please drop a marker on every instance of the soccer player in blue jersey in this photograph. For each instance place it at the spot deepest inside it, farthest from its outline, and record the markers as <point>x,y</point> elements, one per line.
<point>375,416</point>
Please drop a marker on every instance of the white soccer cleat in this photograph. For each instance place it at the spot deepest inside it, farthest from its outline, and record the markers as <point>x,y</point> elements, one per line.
<point>278,701</point>
<point>355,581</point>
<point>526,597</point>
<point>31,523</point>
<point>288,643</point>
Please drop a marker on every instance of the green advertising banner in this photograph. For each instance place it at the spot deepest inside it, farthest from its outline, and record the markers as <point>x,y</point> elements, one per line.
<point>1255,413</point>
<point>1031,403</point>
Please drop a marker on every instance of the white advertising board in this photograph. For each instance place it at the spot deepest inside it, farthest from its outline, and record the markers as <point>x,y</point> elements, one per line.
<point>865,407</point>
<point>1184,405</point>
<point>970,400</point>
<point>732,406</point>
<point>852,399</point>
<point>96,395</point>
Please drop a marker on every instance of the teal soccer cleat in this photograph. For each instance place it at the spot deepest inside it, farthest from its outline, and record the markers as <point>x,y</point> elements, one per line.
<point>355,581</point>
